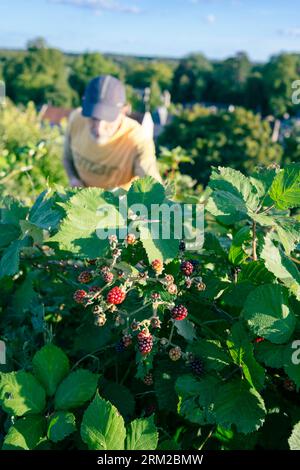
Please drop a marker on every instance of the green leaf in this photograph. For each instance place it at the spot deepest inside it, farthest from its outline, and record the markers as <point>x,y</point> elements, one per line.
<point>294,439</point>
<point>186,329</point>
<point>268,313</point>
<point>291,363</point>
<point>21,393</point>
<point>142,435</point>
<point>281,266</point>
<point>233,197</point>
<point>256,273</point>
<point>145,191</point>
<point>241,351</point>
<point>235,294</point>
<point>61,425</point>
<point>236,253</point>
<point>288,230</point>
<point>43,213</point>
<point>213,353</point>
<point>158,248</point>
<point>102,426</point>
<point>8,233</point>
<point>31,230</point>
<point>240,405</point>
<point>13,212</point>
<point>272,355</point>
<point>25,434</point>
<point>9,264</point>
<point>165,375</point>
<point>76,389</point>
<point>285,189</point>
<point>50,366</point>
<point>120,396</point>
<point>86,213</point>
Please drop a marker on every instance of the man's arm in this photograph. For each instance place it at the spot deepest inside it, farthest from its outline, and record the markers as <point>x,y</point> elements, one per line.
<point>145,163</point>
<point>69,162</point>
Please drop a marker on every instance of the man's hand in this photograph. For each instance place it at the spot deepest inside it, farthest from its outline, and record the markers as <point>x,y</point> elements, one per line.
<point>76,183</point>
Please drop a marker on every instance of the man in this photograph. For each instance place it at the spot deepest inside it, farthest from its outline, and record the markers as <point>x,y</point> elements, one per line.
<point>104,147</point>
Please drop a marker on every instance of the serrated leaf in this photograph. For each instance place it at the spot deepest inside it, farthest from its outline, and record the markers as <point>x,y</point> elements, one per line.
<point>288,230</point>
<point>240,405</point>
<point>61,425</point>
<point>212,352</point>
<point>120,396</point>
<point>142,435</point>
<point>281,266</point>
<point>146,191</point>
<point>268,313</point>
<point>21,393</point>
<point>158,248</point>
<point>25,434</point>
<point>87,215</point>
<point>236,253</point>
<point>102,426</point>
<point>292,363</point>
<point>50,366</point>
<point>294,439</point>
<point>9,263</point>
<point>285,189</point>
<point>241,351</point>
<point>186,329</point>
<point>43,213</point>
<point>165,375</point>
<point>8,233</point>
<point>272,355</point>
<point>256,273</point>
<point>76,389</point>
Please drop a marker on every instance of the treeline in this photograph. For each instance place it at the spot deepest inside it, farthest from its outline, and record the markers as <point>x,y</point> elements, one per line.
<point>44,74</point>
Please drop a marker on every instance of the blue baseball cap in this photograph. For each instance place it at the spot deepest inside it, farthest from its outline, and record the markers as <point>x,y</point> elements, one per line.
<point>103,98</point>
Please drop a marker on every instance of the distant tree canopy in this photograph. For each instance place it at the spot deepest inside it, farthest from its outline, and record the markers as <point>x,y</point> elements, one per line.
<point>239,138</point>
<point>89,65</point>
<point>45,75</point>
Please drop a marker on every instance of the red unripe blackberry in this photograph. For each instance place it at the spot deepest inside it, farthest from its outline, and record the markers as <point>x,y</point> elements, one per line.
<point>197,366</point>
<point>108,277</point>
<point>85,277</point>
<point>148,379</point>
<point>187,268</point>
<point>145,342</point>
<point>115,296</point>
<point>179,312</point>
<point>157,266</point>
<point>258,340</point>
<point>79,296</point>
<point>175,353</point>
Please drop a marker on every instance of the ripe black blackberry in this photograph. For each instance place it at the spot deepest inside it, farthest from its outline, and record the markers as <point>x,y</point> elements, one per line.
<point>197,366</point>
<point>120,347</point>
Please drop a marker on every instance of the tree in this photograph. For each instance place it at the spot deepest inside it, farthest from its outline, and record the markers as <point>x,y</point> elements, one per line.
<point>229,80</point>
<point>279,74</point>
<point>239,138</point>
<point>191,79</point>
<point>143,74</point>
<point>87,66</point>
<point>40,76</point>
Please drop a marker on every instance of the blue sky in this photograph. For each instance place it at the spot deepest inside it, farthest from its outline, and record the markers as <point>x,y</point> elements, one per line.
<point>217,28</point>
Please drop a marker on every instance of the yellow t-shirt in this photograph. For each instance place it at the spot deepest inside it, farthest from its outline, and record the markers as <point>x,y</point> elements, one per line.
<point>128,154</point>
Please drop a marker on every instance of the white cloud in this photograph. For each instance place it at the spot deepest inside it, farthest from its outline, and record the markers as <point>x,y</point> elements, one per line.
<point>292,32</point>
<point>99,6</point>
<point>210,18</point>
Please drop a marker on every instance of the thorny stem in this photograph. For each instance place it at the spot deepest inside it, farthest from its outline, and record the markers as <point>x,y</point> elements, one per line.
<point>254,241</point>
<point>90,355</point>
<point>171,334</point>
